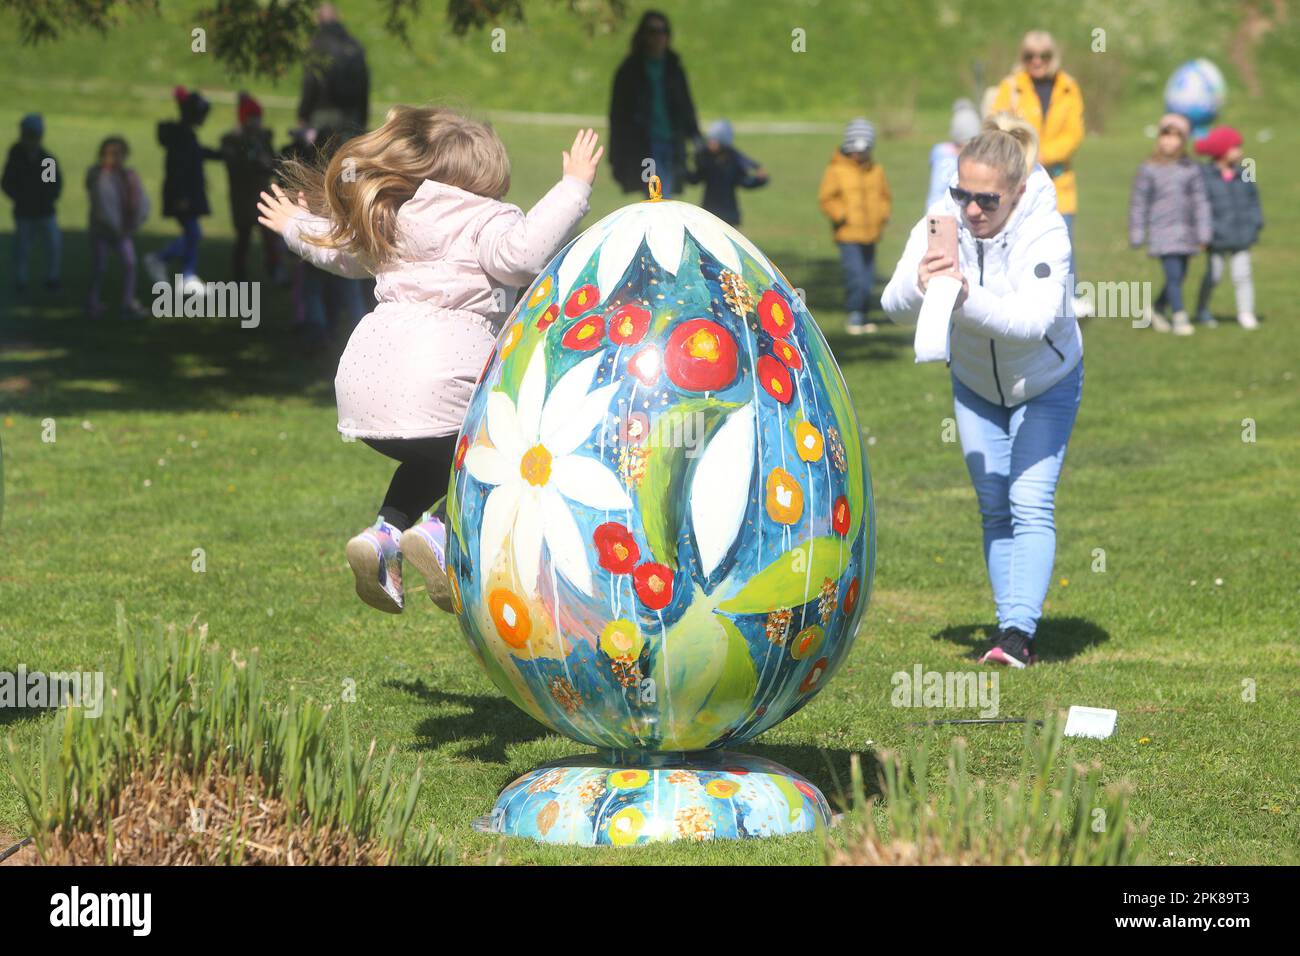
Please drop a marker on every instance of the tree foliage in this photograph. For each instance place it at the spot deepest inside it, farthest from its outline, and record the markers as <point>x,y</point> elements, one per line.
<point>268,37</point>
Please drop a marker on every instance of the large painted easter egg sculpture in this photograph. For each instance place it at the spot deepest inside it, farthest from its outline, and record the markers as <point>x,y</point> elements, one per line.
<point>661,530</point>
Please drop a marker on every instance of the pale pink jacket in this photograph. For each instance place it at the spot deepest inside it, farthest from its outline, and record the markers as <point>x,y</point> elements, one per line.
<point>411,365</point>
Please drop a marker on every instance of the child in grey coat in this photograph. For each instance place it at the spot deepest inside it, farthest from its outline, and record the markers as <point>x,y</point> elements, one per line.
<point>1168,213</point>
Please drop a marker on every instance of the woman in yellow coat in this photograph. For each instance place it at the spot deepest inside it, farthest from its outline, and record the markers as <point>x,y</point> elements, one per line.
<point>1049,99</point>
<point>855,197</point>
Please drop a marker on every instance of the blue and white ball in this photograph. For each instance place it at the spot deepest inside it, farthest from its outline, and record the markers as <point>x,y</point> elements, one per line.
<point>1196,90</point>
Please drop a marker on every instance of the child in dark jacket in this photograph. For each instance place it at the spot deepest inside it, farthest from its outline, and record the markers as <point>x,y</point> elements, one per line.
<point>1234,208</point>
<point>723,169</point>
<point>1168,212</point>
<point>185,189</point>
<point>250,160</point>
<point>307,283</point>
<point>118,207</point>
<point>31,179</point>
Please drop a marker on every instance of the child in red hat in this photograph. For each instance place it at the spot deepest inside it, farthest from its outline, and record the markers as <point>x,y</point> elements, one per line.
<point>250,160</point>
<point>1234,204</point>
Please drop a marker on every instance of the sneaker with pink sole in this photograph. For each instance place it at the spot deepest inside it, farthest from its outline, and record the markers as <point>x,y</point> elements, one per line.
<point>425,546</point>
<point>1012,647</point>
<point>376,562</point>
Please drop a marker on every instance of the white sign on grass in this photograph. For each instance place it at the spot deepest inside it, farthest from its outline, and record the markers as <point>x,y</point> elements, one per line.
<point>1096,722</point>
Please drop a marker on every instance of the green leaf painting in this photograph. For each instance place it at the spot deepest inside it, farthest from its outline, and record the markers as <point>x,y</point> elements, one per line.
<point>661,495</point>
<point>704,675</point>
<point>792,579</point>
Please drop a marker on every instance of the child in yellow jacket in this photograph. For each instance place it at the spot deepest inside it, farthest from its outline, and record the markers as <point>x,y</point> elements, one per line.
<point>855,197</point>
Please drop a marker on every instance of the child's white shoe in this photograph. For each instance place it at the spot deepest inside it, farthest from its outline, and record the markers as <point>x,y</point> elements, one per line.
<point>425,546</point>
<point>155,267</point>
<point>376,562</point>
<point>1157,321</point>
<point>1183,325</point>
<point>1247,320</point>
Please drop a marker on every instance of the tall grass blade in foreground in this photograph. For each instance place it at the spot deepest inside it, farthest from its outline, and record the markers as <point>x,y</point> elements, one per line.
<point>1056,813</point>
<point>190,763</point>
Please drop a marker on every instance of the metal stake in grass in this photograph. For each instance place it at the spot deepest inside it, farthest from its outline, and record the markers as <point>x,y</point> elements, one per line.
<point>15,848</point>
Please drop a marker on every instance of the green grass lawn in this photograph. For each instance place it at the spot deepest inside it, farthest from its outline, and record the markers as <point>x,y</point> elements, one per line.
<point>180,434</point>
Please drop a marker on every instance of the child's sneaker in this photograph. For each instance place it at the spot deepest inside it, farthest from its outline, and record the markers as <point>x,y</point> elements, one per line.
<point>858,324</point>
<point>376,561</point>
<point>1206,319</point>
<point>425,546</point>
<point>1012,647</point>
<point>156,267</point>
<point>1156,319</point>
<point>1182,325</point>
<point>1247,320</point>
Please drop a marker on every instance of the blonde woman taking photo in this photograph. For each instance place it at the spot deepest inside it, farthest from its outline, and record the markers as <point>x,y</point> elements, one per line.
<point>1016,360</point>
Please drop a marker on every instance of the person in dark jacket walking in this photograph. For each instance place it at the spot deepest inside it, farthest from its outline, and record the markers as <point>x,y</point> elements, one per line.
<point>651,114</point>
<point>1168,212</point>
<point>1234,209</point>
<point>250,160</point>
<point>185,188</point>
<point>723,169</point>
<point>333,108</point>
<point>335,100</point>
<point>31,179</point>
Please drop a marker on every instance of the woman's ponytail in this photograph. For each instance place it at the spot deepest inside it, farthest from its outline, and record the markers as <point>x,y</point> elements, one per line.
<point>1008,144</point>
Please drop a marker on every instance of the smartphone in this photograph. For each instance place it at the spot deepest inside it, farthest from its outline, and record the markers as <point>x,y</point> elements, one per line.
<point>941,236</point>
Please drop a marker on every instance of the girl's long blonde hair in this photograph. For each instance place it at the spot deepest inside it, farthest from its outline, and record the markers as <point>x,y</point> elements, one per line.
<point>1008,144</point>
<point>371,176</point>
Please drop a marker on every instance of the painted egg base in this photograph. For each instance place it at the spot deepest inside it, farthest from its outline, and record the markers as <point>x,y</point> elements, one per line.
<point>629,799</point>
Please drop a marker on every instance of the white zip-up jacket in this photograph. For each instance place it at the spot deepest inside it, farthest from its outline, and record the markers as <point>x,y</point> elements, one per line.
<point>1016,335</point>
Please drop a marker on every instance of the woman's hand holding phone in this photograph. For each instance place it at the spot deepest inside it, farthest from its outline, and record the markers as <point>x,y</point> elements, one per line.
<point>940,264</point>
<point>941,257</point>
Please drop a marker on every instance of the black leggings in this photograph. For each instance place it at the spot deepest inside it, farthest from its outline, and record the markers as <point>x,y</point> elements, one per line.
<point>420,479</point>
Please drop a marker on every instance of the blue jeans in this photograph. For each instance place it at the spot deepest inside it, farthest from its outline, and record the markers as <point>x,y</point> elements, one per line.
<point>26,233</point>
<point>662,152</point>
<point>1175,272</point>
<point>1014,456</point>
<point>859,261</point>
<point>185,247</point>
<point>325,294</point>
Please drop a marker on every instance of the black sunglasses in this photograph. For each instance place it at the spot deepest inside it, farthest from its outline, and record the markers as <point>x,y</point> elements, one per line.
<point>986,201</point>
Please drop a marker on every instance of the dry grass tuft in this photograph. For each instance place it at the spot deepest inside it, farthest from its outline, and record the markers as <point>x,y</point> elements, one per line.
<point>868,850</point>
<point>167,818</point>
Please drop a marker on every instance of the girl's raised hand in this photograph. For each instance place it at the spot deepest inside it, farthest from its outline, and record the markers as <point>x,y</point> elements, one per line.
<point>583,156</point>
<point>275,211</point>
